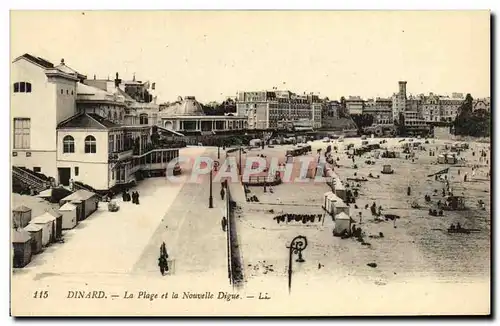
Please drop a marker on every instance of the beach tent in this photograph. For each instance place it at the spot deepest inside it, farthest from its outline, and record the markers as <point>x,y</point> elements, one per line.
<point>35,231</point>
<point>21,216</point>
<point>69,215</point>
<point>342,223</point>
<point>48,224</point>
<point>21,242</point>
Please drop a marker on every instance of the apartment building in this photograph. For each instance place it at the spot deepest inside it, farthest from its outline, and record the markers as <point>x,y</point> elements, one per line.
<point>278,109</point>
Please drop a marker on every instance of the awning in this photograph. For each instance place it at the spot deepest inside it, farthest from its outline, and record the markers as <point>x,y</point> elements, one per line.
<point>170,131</point>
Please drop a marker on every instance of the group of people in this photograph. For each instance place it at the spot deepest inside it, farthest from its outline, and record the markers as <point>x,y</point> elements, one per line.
<point>134,197</point>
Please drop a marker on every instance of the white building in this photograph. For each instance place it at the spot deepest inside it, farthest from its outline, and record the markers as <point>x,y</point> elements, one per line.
<point>278,109</point>
<point>68,130</point>
<point>42,95</point>
<point>354,104</point>
<point>187,117</point>
<point>102,154</point>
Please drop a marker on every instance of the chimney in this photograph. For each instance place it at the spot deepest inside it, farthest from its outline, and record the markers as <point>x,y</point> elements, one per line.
<point>117,81</point>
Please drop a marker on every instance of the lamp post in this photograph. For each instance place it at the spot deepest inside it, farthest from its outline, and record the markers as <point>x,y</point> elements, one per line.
<point>240,161</point>
<point>210,198</point>
<point>298,244</point>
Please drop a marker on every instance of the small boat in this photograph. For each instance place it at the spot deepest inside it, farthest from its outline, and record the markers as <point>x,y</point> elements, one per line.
<point>461,230</point>
<point>357,179</point>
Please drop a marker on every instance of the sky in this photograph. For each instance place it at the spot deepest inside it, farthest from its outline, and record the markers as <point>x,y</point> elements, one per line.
<point>212,55</point>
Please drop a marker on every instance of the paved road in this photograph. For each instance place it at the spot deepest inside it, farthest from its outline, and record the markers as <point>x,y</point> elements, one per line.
<point>192,233</point>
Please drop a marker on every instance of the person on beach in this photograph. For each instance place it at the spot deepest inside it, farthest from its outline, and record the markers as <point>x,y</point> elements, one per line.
<point>137,198</point>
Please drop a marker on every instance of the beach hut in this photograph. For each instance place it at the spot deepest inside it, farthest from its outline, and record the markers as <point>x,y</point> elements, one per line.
<point>88,199</point>
<point>48,224</point>
<point>332,202</point>
<point>59,222</point>
<point>325,199</point>
<point>21,242</point>
<point>342,223</point>
<point>387,169</point>
<point>340,207</point>
<point>80,214</point>
<point>54,195</point>
<point>21,216</point>
<point>340,190</point>
<point>35,231</point>
<point>69,215</point>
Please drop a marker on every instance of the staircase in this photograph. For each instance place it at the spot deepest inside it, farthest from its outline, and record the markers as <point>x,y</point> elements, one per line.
<point>30,178</point>
<point>82,186</point>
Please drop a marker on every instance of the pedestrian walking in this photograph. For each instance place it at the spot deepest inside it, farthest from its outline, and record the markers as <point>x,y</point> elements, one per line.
<point>137,198</point>
<point>223,223</point>
<point>222,193</point>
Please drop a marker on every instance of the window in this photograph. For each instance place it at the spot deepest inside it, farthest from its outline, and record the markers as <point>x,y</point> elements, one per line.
<point>37,169</point>
<point>67,92</point>
<point>71,92</point>
<point>68,144</point>
<point>77,171</point>
<point>22,133</point>
<point>22,87</point>
<point>143,119</point>
<point>111,143</point>
<point>61,91</point>
<point>90,144</point>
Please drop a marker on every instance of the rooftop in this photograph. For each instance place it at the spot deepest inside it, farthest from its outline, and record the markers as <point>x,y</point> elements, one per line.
<point>87,121</point>
<point>184,107</point>
<point>37,60</point>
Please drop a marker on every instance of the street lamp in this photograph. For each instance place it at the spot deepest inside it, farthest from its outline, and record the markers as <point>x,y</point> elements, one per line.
<point>298,244</point>
<point>210,198</point>
<point>240,160</point>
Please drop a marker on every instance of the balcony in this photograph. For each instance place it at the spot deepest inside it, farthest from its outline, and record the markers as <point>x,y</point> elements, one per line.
<point>119,156</point>
<point>163,145</point>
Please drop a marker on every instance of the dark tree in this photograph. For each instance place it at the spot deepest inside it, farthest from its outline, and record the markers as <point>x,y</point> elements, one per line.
<point>362,120</point>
